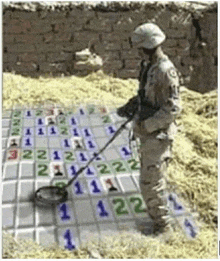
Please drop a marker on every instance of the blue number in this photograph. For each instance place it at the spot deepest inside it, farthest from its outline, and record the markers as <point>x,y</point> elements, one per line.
<point>73,170</point>
<point>175,204</point>
<point>83,158</point>
<point>66,144</point>
<point>91,145</point>
<point>63,210</point>
<point>40,122</point>
<point>73,121</point>
<point>103,212</point>
<point>53,131</point>
<point>75,133</point>
<point>89,172</point>
<point>28,142</point>
<point>56,155</point>
<point>28,132</point>
<point>28,113</point>
<point>97,158</point>
<point>67,236</point>
<point>125,150</point>
<point>189,225</point>
<point>81,112</point>
<point>40,132</point>
<point>96,189</point>
<point>87,133</point>
<point>78,187</point>
<point>111,130</point>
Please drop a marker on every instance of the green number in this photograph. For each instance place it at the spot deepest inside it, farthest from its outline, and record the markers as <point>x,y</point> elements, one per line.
<point>17,114</point>
<point>104,168</point>
<point>137,207</point>
<point>119,167</point>
<point>64,130</point>
<point>42,154</point>
<point>15,132</point>
<point>120,210</point>
<point>27,154</point>
<point>62,120</point>
<point>69,155</point>
<point>106,119</point>
<point>39,112</point>
<point>60,184</point>
<point>43,170</point>
<point>134,164</point>
<point>91,110</point>
<point>16,122</point>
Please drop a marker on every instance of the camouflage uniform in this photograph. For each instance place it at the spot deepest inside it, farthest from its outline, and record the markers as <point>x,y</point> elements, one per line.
<point>159,92</point>
<point>156,133</point>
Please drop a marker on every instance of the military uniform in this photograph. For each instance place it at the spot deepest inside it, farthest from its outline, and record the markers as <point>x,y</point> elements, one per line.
<point>161,85</point>
<point>155,109</point>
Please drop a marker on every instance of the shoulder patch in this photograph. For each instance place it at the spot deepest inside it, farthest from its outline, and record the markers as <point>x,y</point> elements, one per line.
<point>172,73</point>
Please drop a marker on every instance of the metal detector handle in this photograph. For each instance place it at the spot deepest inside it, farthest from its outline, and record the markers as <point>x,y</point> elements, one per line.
<point>101,150</point>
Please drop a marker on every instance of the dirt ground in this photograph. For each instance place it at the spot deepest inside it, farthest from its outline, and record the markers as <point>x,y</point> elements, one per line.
<point>192,173</point>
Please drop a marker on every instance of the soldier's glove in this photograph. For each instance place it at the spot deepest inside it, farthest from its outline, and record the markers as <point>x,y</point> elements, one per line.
<point>132,107</point>
<point>129,109</point>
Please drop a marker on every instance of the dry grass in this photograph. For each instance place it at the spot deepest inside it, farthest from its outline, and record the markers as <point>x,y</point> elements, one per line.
<point>192,173</point>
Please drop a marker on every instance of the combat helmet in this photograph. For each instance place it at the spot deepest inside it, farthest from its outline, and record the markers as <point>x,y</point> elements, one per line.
<point>147,35</point>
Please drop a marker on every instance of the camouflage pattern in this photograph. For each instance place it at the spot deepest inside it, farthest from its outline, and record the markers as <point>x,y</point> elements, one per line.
<point>156,133</point>
<point>147,35</point>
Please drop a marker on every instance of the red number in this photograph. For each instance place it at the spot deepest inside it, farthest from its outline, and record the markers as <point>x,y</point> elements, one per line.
<point>14,154</point>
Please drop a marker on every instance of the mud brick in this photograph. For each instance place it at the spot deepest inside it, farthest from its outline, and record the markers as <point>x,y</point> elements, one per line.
<point>125,24</point>
<point>114,37</point>
<point>172,33</point>
<point>71,26</point>
<point>63,37</point>
<point>126,45</point>
<point>74,47</point>
<point>58,57</point>
<point>30,57</point>
<point>76,13</point>
<point>182,51</point>
<point>7,57</point>
<point>85,36</point>
<point>132,64</point>
<point>130,54</point>
<point>170,43</point>
<point>24,67</point>
<point>20,48</point>
<point>23,15</point>
<point>98,25</point>
<point>163,20</point>
<point>52,67</point>
<point>170,51</point>
<point>112,46</point>
<point>40,27</point>
<point>8,38</point>
<point>128,73</point>
<point>117,64</point>
<point>45,48</point>
<point>7,15</point>
<point>184,43</point>
<point>111,56</point>
<point>28,38</point>
<point>52,16</point>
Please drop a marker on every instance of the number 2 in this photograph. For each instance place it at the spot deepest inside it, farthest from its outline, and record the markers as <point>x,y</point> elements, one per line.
<point>120,208</point>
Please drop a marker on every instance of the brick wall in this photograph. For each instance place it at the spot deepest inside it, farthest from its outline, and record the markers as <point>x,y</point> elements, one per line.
<point>41,39</point>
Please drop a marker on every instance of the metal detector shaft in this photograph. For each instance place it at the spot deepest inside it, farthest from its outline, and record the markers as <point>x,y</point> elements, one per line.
<point>100,151</point>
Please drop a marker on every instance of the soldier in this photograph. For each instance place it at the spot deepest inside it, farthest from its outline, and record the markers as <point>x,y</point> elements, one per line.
<point>156,107</point>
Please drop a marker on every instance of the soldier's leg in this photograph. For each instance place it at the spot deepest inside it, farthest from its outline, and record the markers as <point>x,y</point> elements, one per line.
<point>154,153</point>
<point>153,189</point>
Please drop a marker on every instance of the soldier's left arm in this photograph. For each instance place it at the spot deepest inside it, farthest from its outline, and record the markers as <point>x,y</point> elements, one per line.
<point>169,85</point>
